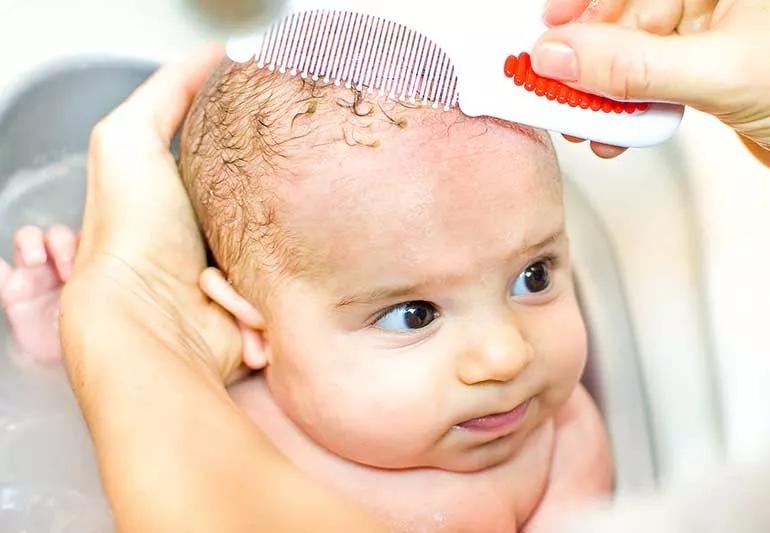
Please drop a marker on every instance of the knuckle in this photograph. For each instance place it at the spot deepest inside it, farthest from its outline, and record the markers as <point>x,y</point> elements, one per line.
<point>628,75</point>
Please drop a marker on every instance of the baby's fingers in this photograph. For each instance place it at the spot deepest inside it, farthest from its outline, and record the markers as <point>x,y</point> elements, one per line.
<point>61,244</point>
<point>5,273</point>
<point>29,247</point>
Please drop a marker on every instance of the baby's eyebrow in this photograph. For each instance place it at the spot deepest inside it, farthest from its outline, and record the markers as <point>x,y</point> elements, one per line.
<point>381,293</point>
<point>399,291</point>
<point>531,249</point>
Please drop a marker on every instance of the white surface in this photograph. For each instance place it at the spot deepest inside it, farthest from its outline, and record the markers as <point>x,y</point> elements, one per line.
<point>682,219</point>
<point>690,222</point>
<point>731,195</point>
<point>643,200</point>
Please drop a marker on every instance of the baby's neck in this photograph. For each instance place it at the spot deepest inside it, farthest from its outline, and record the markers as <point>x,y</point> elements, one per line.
<point>424,499</point>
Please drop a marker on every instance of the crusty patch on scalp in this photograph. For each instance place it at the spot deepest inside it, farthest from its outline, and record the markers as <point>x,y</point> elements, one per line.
<point>249,127</point>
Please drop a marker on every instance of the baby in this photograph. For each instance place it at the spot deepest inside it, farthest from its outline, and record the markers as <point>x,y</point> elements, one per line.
<point>402,279</point>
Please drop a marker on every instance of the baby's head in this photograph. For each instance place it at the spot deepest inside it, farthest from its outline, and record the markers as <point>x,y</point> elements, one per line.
<point>405,269</point>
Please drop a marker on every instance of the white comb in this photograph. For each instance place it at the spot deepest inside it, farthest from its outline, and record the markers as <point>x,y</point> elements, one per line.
<point>428,53</point>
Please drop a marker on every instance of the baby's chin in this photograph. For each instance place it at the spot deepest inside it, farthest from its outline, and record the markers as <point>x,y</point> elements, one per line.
<point>451,454</point>
<point>479,459</point>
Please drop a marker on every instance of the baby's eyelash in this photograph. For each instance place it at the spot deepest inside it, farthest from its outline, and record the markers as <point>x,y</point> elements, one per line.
<point>380,314</point>
<point>552,260</point>
<point>388,309</point>
<point>370,323</point>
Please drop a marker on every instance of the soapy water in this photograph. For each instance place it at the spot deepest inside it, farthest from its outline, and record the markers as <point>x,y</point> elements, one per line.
<point>49,482</point>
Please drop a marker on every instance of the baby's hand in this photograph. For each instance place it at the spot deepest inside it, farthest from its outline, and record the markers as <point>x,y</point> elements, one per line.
<point>29,292</point>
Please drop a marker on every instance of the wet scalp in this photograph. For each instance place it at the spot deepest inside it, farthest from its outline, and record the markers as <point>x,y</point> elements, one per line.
<point>249,127</point>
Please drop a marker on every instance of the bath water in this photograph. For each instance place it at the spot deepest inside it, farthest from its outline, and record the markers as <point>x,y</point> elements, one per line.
<point>48,477</point>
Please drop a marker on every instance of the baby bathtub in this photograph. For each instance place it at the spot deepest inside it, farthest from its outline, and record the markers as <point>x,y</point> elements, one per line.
<point>48,479</point>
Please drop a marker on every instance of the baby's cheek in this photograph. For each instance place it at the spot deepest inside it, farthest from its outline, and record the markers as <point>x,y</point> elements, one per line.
<point>378,420</point>
<point>566,354</point>
<point>377,425</point>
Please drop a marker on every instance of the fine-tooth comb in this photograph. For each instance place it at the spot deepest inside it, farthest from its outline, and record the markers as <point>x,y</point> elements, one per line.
<point>429,53</point>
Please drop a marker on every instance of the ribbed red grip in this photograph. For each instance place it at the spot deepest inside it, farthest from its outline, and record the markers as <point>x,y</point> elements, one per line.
<point>520,69</point>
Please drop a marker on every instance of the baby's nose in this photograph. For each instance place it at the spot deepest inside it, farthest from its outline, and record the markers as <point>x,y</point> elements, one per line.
<point>497,354</point>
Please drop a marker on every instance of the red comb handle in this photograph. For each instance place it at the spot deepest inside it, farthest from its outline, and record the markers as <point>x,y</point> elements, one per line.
<point>520,69</point>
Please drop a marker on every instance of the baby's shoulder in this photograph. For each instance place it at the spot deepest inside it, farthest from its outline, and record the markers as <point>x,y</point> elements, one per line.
<point>581,468</point>
<point>579,413</point>
<point>582,447</point>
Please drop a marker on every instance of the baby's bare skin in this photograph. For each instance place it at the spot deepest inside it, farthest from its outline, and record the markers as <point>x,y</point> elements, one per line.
<point>562,461</point>
<point>409,312</point>
<point>29,292</point>
<point>567,457</point>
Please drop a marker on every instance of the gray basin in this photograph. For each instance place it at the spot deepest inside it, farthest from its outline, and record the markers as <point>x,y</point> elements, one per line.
<point>44,129</point>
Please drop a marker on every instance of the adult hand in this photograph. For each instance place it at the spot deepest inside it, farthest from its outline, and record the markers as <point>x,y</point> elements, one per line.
<point>140,240</point>
<point>710,55</point>
<point>148,354</point>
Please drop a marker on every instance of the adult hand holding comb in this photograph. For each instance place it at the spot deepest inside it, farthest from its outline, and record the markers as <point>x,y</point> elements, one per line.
<point>708,54</point>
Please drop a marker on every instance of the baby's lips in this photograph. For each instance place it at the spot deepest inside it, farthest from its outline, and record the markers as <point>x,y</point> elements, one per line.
<point>497,421</point>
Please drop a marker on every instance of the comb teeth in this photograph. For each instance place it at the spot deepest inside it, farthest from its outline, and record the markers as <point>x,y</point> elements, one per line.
<point>362,51</point>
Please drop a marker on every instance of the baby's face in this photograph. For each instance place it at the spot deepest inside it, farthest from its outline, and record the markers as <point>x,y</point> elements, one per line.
<point>437,291</point>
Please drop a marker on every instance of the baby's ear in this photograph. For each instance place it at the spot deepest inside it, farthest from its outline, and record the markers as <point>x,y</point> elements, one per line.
<point>250,320</point>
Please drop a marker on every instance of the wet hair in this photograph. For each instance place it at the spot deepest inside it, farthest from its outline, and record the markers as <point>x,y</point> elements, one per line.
<point>232,143</point>
<point>249,127</point>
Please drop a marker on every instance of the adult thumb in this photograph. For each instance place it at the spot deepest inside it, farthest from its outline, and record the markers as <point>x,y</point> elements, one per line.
<point>629,64</point>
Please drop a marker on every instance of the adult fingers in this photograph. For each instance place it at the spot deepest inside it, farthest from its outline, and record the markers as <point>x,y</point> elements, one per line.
<point>130,166</point>
<point>606,151</point>
<point>666,16</point>
<point>696,15</point>
<point>563,11</point>
<point>558,12</point>
<point>625,63</point>
<point>163,100</point>
<point>655,16</point>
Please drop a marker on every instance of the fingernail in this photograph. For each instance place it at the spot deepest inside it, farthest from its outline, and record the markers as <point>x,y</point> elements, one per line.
<point>556,60</point>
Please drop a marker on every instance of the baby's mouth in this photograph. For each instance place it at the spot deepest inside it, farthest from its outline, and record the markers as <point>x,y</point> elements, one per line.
<point>501,423</point>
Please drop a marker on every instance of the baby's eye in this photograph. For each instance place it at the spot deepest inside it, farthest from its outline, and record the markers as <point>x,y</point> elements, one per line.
<point>408,316</point>
<point>535,278</point>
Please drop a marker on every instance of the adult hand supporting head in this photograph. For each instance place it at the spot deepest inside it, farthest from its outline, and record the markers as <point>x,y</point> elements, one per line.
<point>706,54</point>
<point>148,354</point>
<point>140,238</point>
